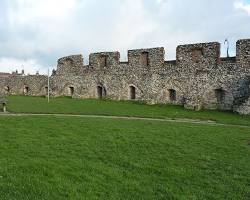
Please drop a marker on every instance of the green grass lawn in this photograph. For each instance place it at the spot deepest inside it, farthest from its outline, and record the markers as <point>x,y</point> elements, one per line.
<point>44,158</point>
<point>22,104</point>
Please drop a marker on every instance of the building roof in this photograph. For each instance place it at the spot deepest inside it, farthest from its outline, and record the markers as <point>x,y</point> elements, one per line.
<point>3,74</point>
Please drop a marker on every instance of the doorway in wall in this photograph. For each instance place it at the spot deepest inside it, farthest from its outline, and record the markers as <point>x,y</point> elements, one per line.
<point>132,94</point>
<point>26,90</point>
<point>172,95</point>
<point>220,95</point>
<point>101,92</point>
<point>71,91</point>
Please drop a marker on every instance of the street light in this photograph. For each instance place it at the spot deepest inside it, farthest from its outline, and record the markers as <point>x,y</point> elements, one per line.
<point>226,42</point>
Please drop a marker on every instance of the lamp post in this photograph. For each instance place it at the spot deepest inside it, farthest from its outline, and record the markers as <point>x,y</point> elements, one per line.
<point>3,101</point>
<point>48,86</point>
<point>226,42</point>
<point>4,107</point>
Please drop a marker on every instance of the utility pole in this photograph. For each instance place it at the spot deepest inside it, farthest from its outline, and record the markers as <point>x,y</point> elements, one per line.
<point>48,86</point>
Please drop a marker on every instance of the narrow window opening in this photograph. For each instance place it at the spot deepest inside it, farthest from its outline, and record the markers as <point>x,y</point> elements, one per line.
<point>103,61</point>
<point>144,58</point>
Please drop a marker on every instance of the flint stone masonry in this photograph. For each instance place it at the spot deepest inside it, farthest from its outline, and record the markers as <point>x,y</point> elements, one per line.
<point>198,78</point>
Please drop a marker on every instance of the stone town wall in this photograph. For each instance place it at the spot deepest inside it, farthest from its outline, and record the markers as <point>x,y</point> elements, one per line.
<point>198,78</point>
<point>33,85</point>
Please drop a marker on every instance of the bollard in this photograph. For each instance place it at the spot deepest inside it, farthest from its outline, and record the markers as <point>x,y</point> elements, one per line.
<point>4,107</point>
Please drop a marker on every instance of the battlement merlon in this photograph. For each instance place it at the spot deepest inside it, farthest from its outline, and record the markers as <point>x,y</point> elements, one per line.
<point>151,57</point>
<point>70,65</point>
<point>201,53</point>
<point>243,52</point>
<point>104,59</point>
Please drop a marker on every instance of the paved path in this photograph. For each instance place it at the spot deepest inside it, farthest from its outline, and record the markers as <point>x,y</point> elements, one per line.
<point>176,120</point>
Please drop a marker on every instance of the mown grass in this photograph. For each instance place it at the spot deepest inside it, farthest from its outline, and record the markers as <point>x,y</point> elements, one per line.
<point>22,104</point>
<point>80,158</point>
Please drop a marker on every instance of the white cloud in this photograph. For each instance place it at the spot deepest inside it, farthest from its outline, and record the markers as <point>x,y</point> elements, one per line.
<point>26,11</point>
<point>13,64</point>
<point>132,26</point>
<point>242,6</point>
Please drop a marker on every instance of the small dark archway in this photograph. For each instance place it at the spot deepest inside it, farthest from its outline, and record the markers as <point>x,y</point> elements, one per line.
<point>172,94</point>
<point>7,89</point>
<point>132,93</point>
<point>26,90</point>
<point>101,92</point>
<point>45,90</point>
<point>220,95</point>
<point>71,91</point>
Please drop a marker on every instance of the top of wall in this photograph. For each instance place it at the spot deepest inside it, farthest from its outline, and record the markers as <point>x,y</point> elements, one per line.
<point>200,55</point>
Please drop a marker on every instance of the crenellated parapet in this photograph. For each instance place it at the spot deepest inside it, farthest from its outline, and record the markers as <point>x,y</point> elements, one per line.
<point>191,57</point>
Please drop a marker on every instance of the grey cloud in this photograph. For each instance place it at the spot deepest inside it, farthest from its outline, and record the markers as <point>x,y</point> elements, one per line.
<point>97,25</point>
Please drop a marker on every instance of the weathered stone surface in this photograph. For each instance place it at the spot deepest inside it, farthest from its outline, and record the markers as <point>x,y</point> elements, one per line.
<point>198,78</point>
<point>243,108</point>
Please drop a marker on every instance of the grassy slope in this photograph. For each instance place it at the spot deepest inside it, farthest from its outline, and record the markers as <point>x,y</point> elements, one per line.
<point>74,158</point>
<point>22,104</point>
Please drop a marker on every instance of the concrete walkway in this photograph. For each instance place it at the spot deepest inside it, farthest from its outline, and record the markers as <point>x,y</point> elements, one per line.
<point>176,120</point>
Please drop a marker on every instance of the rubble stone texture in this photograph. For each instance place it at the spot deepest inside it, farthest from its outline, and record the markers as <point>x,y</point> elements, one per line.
<point>198,78</point>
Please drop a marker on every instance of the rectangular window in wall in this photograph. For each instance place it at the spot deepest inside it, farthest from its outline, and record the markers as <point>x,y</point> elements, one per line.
<point>197,54</point>
<point>144,59</point>
<point>103,61</point>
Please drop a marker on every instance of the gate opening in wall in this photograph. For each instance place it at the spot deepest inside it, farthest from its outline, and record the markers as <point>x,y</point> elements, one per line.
<point>101,92</point>
<point>132,94</point>
<point>26,90</point>
<point>71,91</point>
<point>220,95</point>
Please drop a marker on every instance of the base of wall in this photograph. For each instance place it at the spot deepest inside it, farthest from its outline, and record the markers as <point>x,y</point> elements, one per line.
<point>243,109</point>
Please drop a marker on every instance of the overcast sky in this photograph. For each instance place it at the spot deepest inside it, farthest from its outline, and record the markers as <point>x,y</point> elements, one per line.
<point>35,33</point>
